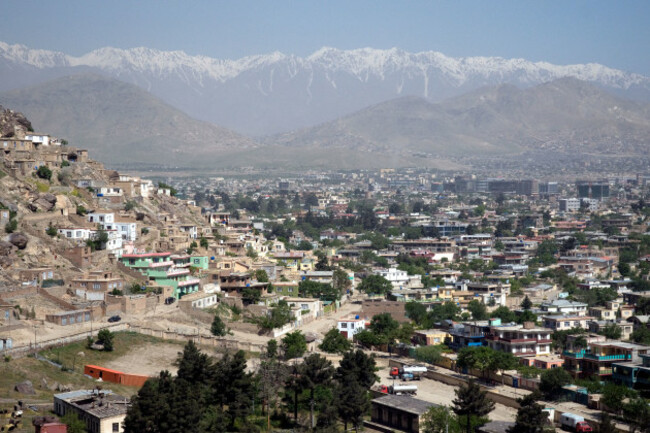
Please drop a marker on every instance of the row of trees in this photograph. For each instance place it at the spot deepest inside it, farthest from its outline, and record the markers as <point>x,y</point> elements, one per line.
<point>210,395</point>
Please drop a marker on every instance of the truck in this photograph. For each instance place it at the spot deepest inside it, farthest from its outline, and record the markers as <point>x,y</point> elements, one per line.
<point>399,389</point>
<point>408,372</point>
<point>574,423</point>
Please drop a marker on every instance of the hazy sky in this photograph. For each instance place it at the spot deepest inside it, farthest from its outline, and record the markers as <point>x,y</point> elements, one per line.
<point>613,32</point>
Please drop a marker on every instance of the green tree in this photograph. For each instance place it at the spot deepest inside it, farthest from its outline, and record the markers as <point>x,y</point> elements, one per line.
<point>478,310</point>
<point>341,281</point>
<point>359,366</point>
<point>272,348</point>
<point>44,172</point>
<point>384,325</point>
<point>641,335</point>
<point>606,423</point>
<point>105,338</point>
<point>352,402</point>
<point>261,276</point>
<point>526,304</point>
<point>614,395</point>
<point>440,419</point>
<point>530,417</point>
<point>471,401</point>
<point>416,312</point>
<point>294,345</point>
<point>375,284</point>
<point>552,381</point>
<point>11,226</point>
<point>203,242</point>
<point>315,371</point>
<point>611,331</point>
<point>430,354</point>
<point>505,314</point>
<point>74,424</point>
<point>251,295</point>
<point>637,414</point>
<point>335,342</point>
<point>218,328</point>
<point>51,230</point>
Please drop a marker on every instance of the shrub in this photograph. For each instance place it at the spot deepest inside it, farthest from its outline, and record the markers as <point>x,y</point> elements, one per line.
<point>81,210</point>
<point>44,172</point>
<point>11,226</point>
<point>51,230</point>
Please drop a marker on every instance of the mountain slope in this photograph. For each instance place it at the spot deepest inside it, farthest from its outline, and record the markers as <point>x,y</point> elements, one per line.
<point>566,115</point>
<point>121,123</point>
<point>273,93</point>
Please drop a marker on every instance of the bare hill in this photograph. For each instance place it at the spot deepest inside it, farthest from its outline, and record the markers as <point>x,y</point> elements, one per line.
<point>566,115</point>
<point>121,123</point>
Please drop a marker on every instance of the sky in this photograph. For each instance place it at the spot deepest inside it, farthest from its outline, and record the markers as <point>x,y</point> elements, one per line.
<point>614,32</point>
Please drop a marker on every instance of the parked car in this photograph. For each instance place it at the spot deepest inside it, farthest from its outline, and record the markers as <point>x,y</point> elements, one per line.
<point>170,300</point>
<point>115,318</point>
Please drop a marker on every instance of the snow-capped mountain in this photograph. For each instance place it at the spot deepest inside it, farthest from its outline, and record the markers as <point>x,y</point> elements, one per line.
<point>272,93</point>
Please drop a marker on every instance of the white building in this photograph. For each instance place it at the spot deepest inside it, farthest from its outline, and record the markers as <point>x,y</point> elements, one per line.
<point>397,277</point>
<point>102,218</point>
<point>350,327</point>
<point>42,139</point>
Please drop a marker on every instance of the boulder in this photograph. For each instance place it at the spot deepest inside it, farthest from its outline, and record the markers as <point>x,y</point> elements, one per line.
<point>45,202</point>
<point>19,240</point>
<point>5,249</point>
<point>25,387</point>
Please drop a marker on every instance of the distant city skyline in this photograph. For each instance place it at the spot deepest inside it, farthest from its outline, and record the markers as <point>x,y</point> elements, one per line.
<point>615,34</point>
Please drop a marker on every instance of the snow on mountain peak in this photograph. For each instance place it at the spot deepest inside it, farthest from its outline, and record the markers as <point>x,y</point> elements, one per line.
<point>361,63</point>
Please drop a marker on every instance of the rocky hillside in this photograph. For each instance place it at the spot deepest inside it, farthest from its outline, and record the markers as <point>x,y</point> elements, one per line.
<point>32,207</point>
<point>13,124</point>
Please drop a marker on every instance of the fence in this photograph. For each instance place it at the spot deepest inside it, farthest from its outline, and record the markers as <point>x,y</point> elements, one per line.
<point>204,340</point>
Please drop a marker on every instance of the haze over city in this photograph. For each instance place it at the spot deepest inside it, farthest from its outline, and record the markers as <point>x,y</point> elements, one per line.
<point>255,216</point>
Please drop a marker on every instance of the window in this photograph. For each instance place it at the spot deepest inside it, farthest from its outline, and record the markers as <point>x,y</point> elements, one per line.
<point>116,426</point>
<point>344,325</point>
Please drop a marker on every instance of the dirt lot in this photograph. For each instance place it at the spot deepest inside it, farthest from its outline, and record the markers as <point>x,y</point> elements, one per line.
<point>440,393</point>
<point>148,359</point>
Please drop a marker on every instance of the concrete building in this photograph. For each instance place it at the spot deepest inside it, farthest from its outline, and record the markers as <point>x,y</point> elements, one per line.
<point>350,327</point>
<point>102,411</point>
<point>400,412</point>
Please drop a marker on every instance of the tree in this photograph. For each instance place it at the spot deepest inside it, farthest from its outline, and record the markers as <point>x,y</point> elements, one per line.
<point>11,226</point>
<point>416,312</point>
<point>272,348</point>
<point>218,328</point>
<point>611,331</point>
<point>193,366</point>
<point>440,419</point>
<point>641,335</point>
<point>359,366</point>
<point>105,338</point>
<point>505,314</point>
<point>530,417</point>
<point>251,295</point>
<point>471,401</point>
<point>637,414</point>
<point>74,424</point>
<point>294,345</point>
<point>430,354</point>
<point>44,172</point>
<point>315,370</point>
<point>51,230</point>
<point>261,276</point>
<point>552,381</point>
<point>384,327</point>
<point>335,342</point>
<point>352,402</point>
<point>526,304</point>
<point>614,395</point>
<point>203,242</point>
<point>375,284</point>
<point>606,424</point>
<point>478,310</point>
<point>341,281</point>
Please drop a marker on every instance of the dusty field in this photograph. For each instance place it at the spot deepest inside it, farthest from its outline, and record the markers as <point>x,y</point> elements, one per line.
<point>440,393</point>
<point>148,360</point>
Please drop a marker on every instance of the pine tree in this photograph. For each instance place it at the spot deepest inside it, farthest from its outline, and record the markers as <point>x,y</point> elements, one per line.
<point>471,401</point>
<point>218,328</point>
<point>352,402</point>
<point>526,304</point>
<point>358,365</point>
<point>193,366</point>
<point>315,370</point>
<point>530,418</point>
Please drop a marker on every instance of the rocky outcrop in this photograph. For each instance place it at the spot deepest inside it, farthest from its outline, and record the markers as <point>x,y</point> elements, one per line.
<point>13,124</point>
<point>44,202</point>
<point>19,240</point>
<point>25,387</point>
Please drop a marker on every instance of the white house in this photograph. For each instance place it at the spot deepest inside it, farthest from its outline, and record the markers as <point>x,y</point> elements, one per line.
<point>102,218</point>
<point>42,139</point>
<point>127,229</point>
<point>80,234</point>
<point>397,277</point>
<point>350,327</point>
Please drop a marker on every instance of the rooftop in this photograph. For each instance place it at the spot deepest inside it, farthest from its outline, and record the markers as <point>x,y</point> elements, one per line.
<point>405,403</point>
<point>101,404</point>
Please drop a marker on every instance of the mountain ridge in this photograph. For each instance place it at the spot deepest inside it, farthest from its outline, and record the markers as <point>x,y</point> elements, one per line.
<point>274,93</point>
